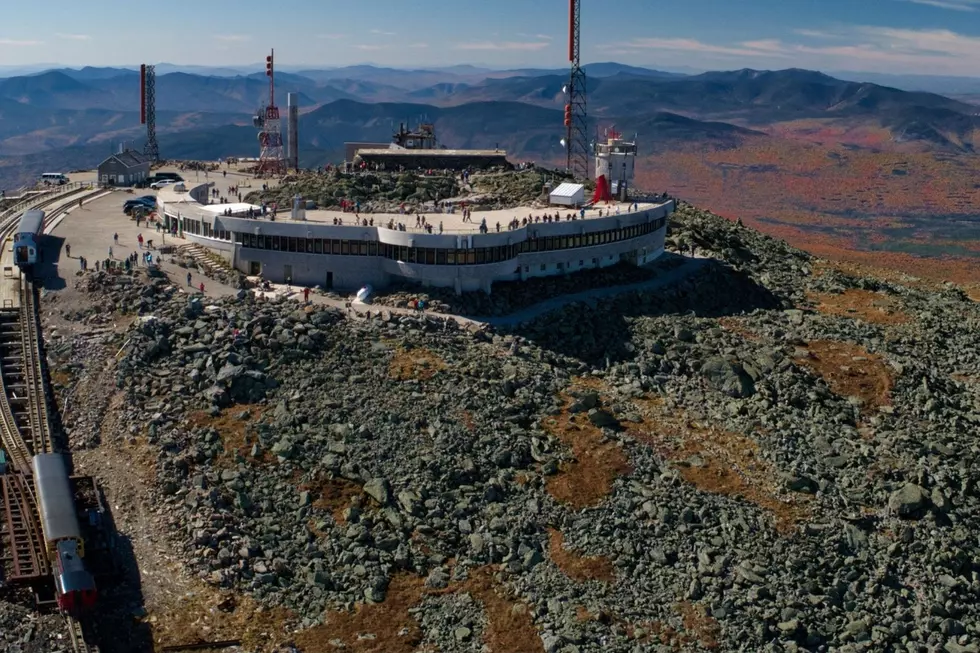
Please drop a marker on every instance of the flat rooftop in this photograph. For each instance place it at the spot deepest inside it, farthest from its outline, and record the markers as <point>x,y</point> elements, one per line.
<point>434,153</point>
<point>452,223</point>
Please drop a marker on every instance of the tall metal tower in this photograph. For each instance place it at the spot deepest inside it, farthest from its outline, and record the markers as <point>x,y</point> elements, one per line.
<point>148,110</point>
<point>576,118</point>
<point>272,158</point>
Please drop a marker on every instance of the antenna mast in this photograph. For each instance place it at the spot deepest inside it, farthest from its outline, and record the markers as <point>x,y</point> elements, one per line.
<point>272,159</point>
<point>576,116</point>
<point>148,110</point>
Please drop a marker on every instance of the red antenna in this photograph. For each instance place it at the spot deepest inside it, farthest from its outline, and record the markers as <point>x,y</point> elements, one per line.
<point>272,158</point>
<point>270,72</point>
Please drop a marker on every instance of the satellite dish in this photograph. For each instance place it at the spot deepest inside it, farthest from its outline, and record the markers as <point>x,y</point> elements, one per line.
<point>564,89</point>
<point>563,142</point>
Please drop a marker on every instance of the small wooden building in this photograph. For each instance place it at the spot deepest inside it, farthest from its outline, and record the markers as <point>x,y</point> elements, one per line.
<point>127,168</point>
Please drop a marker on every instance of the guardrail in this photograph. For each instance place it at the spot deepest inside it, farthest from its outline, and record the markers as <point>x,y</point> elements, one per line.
<point>57,191</point>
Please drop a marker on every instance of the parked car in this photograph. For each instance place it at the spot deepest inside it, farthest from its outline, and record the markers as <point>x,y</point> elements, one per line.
<point>163,182</point>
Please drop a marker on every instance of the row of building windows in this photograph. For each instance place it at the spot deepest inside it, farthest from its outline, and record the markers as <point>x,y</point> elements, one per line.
<point>434,256</point>
<point>205,229</point>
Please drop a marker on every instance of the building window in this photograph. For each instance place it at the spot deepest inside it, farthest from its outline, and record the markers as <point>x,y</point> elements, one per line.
<point>543,267</point>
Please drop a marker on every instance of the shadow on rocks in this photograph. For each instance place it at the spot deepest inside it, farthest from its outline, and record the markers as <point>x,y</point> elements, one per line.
<point>599,332</point>
<point>47,271</point>
<point>119,615</point>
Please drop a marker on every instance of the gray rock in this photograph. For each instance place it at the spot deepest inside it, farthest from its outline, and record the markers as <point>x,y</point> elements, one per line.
<point>907,500</point>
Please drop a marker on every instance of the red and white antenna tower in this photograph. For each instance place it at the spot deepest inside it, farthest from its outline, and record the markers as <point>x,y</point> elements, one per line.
<point>272,158</point>
<point>576,139</point>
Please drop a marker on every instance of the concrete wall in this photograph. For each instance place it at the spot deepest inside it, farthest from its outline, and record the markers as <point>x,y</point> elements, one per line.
<point>352,272</point>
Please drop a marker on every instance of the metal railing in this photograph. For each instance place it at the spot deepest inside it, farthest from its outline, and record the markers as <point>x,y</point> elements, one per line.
<point>57,191</point>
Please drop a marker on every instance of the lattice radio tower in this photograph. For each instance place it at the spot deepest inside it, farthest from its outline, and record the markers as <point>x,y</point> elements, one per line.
<point>272,157</point>
<point>576,139</point>
<point>148,110</point>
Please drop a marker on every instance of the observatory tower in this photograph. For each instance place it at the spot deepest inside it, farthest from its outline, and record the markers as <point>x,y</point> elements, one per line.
<point>615,165</point>
<point>272,160</point>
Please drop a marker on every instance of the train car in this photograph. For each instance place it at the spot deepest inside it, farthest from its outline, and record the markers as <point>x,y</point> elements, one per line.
<point>27,239</point>
<point>65,547</point>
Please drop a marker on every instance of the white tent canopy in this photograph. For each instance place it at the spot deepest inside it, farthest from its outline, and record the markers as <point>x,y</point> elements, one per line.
<point>568,195</point>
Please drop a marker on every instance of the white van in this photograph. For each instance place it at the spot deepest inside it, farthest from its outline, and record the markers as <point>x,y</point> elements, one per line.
<point>54,178</point>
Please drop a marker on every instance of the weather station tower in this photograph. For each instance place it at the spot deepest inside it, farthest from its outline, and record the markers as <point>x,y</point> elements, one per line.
<point>148,110</point>
<point>272,159</point>
<point>576,141</point>
<point>615,166</point>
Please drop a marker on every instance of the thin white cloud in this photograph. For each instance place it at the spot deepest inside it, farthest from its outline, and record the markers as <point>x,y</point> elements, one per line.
<point>381,32</point>
<point>863,47</point>
<point>816,34</point>
<point>515,46</point>
<point>331,37</point>
<point>19,43</point>
<point>419,46</point>
<point>955,5</point>
<point>690,45</point>
<point>74,37</point>
<point>232,38</point>
<point>369,48</point>
<point>540,37</point>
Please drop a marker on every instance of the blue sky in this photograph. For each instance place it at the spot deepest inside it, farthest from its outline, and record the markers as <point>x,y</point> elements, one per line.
<point>893,36</point>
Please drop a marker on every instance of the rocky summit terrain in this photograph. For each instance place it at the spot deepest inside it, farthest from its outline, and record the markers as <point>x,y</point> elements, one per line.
<point>388,192</point>
<point>775,454</point>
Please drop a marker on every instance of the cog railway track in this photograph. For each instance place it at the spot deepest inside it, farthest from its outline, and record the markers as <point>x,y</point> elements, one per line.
<point>25,418</point>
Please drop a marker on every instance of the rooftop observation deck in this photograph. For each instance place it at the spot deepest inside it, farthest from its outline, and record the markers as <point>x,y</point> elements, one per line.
<point>452,223</point>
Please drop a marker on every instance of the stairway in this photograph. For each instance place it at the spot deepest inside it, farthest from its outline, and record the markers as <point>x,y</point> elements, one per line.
<point>209,263</point>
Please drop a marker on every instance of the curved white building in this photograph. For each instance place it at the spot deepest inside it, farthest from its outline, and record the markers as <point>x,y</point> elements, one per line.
<point>316,251</point>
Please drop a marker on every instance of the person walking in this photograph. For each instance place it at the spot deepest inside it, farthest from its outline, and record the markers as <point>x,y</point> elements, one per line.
<point>189,279</point>
<point>67,250</point>
<point>306,295</point>
<point>202,287</point>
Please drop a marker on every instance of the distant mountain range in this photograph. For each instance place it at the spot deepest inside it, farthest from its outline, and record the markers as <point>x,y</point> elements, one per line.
<point>80,115</point>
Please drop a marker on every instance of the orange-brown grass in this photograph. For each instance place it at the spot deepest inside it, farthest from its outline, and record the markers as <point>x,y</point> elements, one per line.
<point>589,478</point>
<point>850,371</point>
<point>718,461</point>
<point>578,567</point>
<point>737,325</point>
<point>333,495</point>
<point>211,615</point>
<point>865,305</point>
<point>233,431</point>
<point>419,364</point>
<point>393,628</point>
<point>466,416</point>
<point>509,627</point>
<point>696,627</point>
<point>699,625</point>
